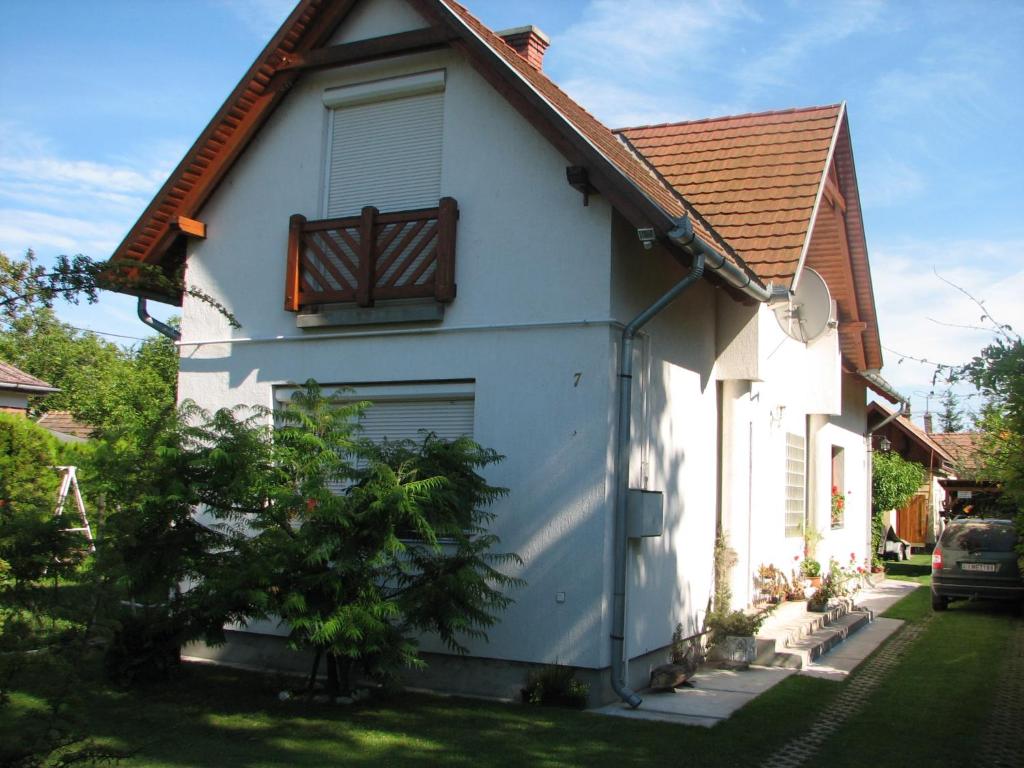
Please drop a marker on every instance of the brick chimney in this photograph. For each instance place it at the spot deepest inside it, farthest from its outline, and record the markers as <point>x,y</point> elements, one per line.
<point>928,422</point>
<point>529,42</point>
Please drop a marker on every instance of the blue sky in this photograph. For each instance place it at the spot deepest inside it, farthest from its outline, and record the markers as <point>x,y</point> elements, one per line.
<point>99,100</point>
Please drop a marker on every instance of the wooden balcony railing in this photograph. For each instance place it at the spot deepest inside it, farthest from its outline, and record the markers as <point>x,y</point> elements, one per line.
<point>371,257</point>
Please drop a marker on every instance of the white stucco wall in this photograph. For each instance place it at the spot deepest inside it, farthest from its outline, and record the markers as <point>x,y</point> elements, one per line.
<point>529,326</point>
<point>675,444</point>
<point>799,389</point>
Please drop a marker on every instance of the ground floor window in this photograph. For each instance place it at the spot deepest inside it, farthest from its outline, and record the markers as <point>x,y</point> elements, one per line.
<point>796,484</point>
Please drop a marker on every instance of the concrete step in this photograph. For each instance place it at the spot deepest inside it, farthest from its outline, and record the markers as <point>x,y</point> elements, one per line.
<point>795,639</point>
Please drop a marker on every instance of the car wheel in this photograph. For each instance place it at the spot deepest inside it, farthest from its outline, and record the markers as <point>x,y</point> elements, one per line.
<point>939,603</point>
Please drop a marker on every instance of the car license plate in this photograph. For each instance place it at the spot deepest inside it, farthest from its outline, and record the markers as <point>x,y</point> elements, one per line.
<point>983,567</point>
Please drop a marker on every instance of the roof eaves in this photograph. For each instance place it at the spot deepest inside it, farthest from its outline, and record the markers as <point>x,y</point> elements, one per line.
<point>723,245</point>
<point>840,117</point>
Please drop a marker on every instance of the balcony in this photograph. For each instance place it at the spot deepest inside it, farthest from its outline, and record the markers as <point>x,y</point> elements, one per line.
<point>353,263</point>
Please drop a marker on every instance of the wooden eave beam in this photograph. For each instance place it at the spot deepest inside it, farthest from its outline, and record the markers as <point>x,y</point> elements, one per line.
<point>190,227</point>
<point>399,44</point>
<point>154,228</point>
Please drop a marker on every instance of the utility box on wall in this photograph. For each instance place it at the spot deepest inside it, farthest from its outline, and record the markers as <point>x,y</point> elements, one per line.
<point>645,513</point>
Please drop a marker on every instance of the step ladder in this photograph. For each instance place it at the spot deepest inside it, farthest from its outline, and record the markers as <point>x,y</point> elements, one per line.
<point>69,485</point>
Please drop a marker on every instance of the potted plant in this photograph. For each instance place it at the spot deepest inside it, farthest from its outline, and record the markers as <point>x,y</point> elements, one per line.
<point>810,569</point>
<point>732,635</point>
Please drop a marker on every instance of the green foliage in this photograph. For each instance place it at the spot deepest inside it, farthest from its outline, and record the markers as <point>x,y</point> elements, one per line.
<point>152,477</point>
<point>809,568</point>
<point>555,686</point>
<point>951,418</point>
<point>26,285</point>
<point>735,623</point>
<point>32,541</point>
<point>101,384</point>
<point>359,548</point>
<point>725,560</point>
<point>894,480</point>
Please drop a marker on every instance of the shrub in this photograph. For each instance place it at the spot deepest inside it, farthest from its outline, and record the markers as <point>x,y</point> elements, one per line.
<point>557,686</point>
<point>735,623</point>
<point>32,541</point>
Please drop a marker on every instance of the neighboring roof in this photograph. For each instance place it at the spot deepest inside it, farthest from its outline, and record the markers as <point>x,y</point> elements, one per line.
<point>964,448</point>
<point>616,172</point>
<point>760,181</point>
<point>12,378</point>
<point>64,423</point>
<point>921,439</point>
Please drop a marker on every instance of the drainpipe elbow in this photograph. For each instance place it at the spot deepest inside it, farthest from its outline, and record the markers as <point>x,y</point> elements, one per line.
<point>161,328</point>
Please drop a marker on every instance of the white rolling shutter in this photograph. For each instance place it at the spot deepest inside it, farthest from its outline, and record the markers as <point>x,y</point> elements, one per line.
<point>409,419</point>
<point>385,153</point>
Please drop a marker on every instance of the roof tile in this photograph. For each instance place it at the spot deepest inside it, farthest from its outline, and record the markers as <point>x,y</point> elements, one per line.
<point>754,177</point>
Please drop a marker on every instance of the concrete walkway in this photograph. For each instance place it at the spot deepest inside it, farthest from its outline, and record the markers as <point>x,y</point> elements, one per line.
<point>717,693</point>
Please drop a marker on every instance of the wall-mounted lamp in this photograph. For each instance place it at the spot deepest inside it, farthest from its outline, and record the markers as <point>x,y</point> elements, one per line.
<point>884,444</point>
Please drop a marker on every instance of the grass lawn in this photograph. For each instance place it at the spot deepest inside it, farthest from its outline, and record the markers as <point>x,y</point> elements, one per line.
<point>931,710</point>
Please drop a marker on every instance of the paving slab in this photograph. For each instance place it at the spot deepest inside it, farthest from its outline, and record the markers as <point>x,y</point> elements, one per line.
<point>717,693</point>
<point>847,656</point>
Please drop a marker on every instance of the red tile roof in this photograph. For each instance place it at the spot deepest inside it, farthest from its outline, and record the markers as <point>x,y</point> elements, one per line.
<point>965,448</point>
<point>65,423</point>
<point>754,177</point>
<point>760,181</point>
<point>15,378</point>
<point>925,440</point>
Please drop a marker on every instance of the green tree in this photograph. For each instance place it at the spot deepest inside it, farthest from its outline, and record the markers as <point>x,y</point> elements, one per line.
<point>951,418</point>
<point>894,480</point>
<point>360,548</point>
<point>101,383</point>
<point>32,541</point>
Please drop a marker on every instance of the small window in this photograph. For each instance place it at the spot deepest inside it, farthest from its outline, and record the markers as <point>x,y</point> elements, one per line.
<point>837,501</point>
<point>796,484</point>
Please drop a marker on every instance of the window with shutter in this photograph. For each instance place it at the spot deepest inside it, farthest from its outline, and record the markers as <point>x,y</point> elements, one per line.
<point>385,145</point>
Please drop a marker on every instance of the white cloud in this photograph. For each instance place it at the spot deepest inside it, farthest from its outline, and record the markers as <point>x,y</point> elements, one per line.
<point>59,204</point>
<point>786,56</point>
<point>635,62</point>
<point>921,316</point>
<point>890,181</point>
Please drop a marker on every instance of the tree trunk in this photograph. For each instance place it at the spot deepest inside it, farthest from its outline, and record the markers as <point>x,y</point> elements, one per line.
<point>332,675</point>
<point>312,673</point>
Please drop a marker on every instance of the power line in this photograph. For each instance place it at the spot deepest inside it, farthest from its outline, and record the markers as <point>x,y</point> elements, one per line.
<point>107,333</point>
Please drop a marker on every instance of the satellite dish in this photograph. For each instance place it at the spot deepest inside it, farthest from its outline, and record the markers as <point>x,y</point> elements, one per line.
<point>808,313</point>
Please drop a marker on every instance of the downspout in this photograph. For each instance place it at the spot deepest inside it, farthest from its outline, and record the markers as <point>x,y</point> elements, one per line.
<point>621,473</point>
<point>156,325</point>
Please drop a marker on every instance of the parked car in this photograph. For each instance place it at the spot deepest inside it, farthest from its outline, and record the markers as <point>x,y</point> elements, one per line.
<point>976,558</point>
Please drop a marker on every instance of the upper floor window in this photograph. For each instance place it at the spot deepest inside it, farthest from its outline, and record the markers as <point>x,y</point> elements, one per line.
<point>384,144</point>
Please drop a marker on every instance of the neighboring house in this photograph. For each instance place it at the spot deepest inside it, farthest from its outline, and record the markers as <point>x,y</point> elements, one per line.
<point>64,427</point>
<point>919,521</point>
<point>966,491</point>
<point>16,387</point>
<point>512,238</point>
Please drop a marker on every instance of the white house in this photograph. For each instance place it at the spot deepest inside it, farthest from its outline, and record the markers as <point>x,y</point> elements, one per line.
<point>396,200</point>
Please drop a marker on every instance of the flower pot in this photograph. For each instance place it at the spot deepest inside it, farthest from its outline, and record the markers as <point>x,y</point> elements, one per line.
<point>815,581</point>
<point>733,648</point>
